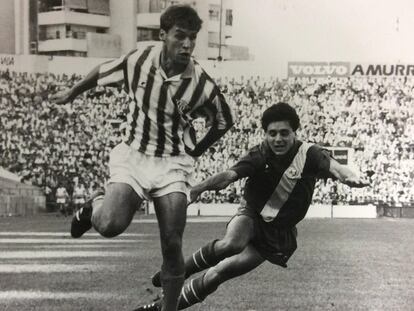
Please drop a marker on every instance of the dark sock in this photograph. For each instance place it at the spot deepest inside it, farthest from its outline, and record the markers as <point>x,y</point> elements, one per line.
<point>202,259</point>
<point>194,291</point>
<point>171,288</point>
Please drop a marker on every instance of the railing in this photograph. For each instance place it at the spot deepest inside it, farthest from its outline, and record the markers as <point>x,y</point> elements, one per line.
<point>63,8</point>
<point>70,34</point>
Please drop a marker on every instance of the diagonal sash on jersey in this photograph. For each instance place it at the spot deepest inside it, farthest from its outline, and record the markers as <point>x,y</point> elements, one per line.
<point>286,185</point>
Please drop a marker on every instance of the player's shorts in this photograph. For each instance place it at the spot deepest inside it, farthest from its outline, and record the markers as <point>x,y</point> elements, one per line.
<point>79,201</point>
<point>61,200</point>
<point>150,176</point>
<point>276,245</point>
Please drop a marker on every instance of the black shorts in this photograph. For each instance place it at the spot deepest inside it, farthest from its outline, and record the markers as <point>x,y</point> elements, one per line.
<point>276,245</point>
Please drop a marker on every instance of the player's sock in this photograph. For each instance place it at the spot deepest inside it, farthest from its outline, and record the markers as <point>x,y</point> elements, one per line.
<point>81,221</point>
<point>171,286</point>
<point>194,291</point>
<point>202,259</point>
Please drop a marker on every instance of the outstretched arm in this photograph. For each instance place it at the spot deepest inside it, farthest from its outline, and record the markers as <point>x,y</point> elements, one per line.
<point>219,116</point>
<point>87,83</point>
<point>215,182</point>
<point>346,176</point>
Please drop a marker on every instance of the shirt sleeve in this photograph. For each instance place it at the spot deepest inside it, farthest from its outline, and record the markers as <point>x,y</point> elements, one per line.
<point>214,109</point>
<point>113,72</point>
<point>320,160</point>
<point>249,164</point>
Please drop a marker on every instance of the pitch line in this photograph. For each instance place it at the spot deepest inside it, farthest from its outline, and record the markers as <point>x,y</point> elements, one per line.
<point>40,295</point>
<point>62,254</point>
<point>66,234</point>
<point>204,219</point>
<point>53,268</point>
<point>65,246</point>
<point>67,241</point>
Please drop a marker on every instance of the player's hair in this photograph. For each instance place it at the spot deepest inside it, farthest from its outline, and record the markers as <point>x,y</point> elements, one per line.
<point>280,112</point>
<point>181,15</point>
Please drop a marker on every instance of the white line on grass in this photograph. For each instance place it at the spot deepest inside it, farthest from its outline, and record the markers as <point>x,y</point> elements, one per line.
<point>189,220</point>
<point>62,254</point>
<point>66,241</point>
<point>65,234</point>
<point>53,268</point>
<point>39,295</point>
<point>66,246</point>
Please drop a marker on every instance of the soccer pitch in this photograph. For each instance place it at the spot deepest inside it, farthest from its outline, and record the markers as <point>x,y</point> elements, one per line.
<point>340,264</point>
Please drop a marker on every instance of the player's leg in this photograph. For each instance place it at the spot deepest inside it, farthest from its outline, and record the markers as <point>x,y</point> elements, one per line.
<point>239,232</point>
<point>197,289</point>
<point>171,211</point>
<point>109,213</point>
<point>61,208</point>
<point>115,213</point>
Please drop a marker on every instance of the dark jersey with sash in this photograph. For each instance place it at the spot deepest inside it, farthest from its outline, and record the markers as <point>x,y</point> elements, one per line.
<point>280,188</point>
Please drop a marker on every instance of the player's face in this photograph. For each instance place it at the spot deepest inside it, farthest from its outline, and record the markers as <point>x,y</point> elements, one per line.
<point>280,137</point>
<point>179,44</point>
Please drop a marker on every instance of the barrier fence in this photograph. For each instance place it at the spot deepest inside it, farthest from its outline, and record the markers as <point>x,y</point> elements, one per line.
<point>315,210</point>
<point>15,205</point>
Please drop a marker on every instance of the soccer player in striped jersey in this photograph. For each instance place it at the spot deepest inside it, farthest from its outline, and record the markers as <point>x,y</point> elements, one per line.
<point>168,90</point>
<point>281,174</point>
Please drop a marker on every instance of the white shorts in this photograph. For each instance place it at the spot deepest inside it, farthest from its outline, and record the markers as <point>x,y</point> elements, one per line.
<point>79,201</point>
<point>61,201</point>
<point>150,176</point>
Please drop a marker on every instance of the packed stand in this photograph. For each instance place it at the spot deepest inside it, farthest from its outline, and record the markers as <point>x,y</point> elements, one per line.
<point>49,145</point>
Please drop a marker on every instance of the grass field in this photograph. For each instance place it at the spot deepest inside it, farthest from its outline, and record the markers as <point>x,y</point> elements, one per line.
<point>339,265</point>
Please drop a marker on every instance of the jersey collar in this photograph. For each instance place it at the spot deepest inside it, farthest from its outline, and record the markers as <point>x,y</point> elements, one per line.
<point>186,74</point>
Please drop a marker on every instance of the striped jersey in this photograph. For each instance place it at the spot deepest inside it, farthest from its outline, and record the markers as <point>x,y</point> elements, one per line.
<point>163,108</point>
<point>280,188</point>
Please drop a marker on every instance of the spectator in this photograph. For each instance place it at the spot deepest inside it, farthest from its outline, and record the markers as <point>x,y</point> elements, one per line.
<point>374,116</point>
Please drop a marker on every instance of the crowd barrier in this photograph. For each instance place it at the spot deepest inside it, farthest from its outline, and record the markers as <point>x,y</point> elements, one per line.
<point>12,205</point>
<point>19,199</point>
<point>315,210</point>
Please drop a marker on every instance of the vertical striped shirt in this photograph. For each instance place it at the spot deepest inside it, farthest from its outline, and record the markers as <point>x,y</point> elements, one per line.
<point>163,107</point>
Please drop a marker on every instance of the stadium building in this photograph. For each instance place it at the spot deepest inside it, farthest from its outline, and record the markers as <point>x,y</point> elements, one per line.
<point>107,28</point>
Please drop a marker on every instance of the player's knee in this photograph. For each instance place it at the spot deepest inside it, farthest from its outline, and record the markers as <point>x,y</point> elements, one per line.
<point>108,227</point>
<point>233,246</point>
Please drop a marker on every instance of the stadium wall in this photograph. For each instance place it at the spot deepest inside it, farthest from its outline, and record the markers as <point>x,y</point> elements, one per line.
<point>18,199</point>
<point>236,69</point>
<point>315,210</point>
<point>82,65</point>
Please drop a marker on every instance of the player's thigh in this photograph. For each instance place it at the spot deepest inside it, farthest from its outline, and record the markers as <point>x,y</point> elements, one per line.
<point>240,230</point>
<point>120,203</point>
<point>236,265</point>
<point>171,211</point>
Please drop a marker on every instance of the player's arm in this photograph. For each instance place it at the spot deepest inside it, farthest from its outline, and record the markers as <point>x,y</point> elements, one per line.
<point>215,182</point>
<point>347,176</point>
<point>88,82</point>
<point>220,118</point>
<point>109,73</point>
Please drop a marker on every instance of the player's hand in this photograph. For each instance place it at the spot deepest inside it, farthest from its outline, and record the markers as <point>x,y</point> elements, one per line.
<point>193,153</point>
<point>194,194</point>
<point>357,181</point>
<point>62,97</point>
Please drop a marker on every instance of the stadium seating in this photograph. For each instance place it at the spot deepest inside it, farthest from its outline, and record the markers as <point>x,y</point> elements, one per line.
<point>45,144</point>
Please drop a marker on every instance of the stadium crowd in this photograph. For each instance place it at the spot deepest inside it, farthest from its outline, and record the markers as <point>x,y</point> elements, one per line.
<point>50,146</point>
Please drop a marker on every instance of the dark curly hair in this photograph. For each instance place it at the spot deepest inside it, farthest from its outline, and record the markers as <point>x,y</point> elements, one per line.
<point>280,112</point>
